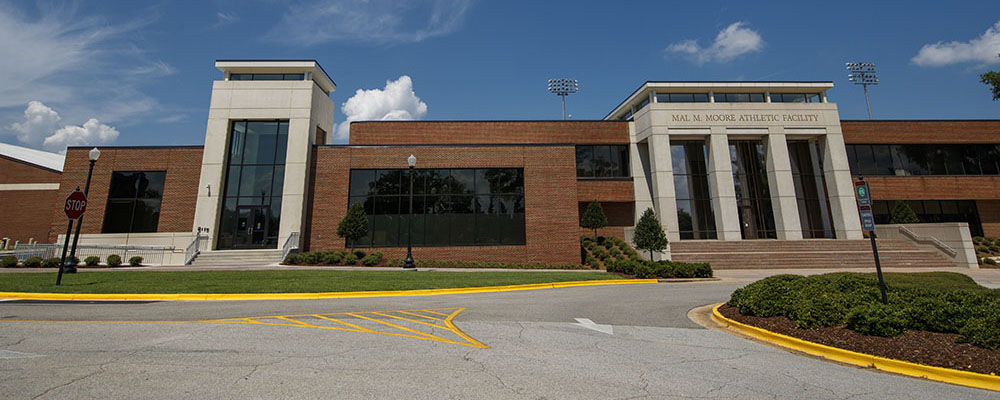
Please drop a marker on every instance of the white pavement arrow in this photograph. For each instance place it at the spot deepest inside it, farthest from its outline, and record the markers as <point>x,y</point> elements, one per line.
<point>586,323</point>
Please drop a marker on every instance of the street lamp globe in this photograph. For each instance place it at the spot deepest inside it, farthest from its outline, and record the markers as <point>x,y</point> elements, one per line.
<point>411,161</point>
<point>94,154</point>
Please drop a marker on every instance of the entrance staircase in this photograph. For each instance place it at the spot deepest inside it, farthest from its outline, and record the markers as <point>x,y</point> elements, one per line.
<point>237,257</point>
<point>811,253</point>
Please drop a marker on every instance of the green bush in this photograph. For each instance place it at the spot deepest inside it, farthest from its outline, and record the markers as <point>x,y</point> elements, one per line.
<point>614,252</point>
<point>114,260</point>
<point>9,262</point>
<point>989,261</point>
<point>350,259</point>
<point>51,262</point>
<point>293,259</point>
<point>32,262</point>
<point>877,319</point>
<point>982,331</point>
<point>135,261</point>
<point>333,257</point>
<point>592,262</point>
<point>359,254</point>
<point>92,261</point>
<point>372,259</point>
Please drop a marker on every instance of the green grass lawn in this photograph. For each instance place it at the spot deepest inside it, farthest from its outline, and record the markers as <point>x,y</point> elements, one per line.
<point>275,281</point>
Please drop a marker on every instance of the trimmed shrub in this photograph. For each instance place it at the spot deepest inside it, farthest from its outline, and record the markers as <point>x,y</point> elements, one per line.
<point>9,262</point>
<point>135,261</point>
<point>350,259</point>
<point>293,259</point>
<point>372,259</point>
<point>114,260</point>
<point>92,261</point>
<point>989,261</point>
<point>32,262</point>
<point>359,254</point>
<point>592,262</point>
<point>593,217</point>
<point>877,319</point>
<point>983,331</point>
<point>74,260</point>
<point>51,262</point>
<point>333,257</point>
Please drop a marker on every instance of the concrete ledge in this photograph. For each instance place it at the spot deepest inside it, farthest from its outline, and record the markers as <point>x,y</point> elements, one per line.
<point>307,296</point>
<point>952,376</point>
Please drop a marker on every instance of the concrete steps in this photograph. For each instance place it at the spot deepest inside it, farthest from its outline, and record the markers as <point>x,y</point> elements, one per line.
<point>817,253</point>
<point>237,257</point>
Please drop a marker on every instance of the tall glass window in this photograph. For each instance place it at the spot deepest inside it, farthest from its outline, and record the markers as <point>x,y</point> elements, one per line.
<point>810,190</point>
<point>695,217</point>
<point>255,176</point>
<point>451,207</point>
<point>600,161</point>
<point>133,202</point>
<point>933,211</point>
<point>753,198</point>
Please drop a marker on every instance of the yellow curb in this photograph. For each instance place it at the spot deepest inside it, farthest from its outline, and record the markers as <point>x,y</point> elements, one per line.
<point>946,375</point>
<point>303,296</point>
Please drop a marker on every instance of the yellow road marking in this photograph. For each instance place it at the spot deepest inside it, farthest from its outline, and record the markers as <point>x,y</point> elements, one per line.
<point>294,321</point>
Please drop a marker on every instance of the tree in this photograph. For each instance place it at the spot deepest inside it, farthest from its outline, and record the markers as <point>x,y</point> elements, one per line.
<point>649,233</point>
<point>903,214</point>
<point>354,226</point>
<point>593,218</point>
<point>992,79</point>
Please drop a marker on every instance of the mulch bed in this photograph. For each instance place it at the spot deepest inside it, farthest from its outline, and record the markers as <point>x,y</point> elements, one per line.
<point>921,347</point>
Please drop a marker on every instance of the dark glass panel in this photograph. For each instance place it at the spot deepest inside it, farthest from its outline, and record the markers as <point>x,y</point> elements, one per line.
<point>813,98</point>
<point>756,97</point>
<point>793,98</point>
<point>281,145</point>
<point>585,161</point>
<point>937,161</point>
<point>682,97</point>
<point>487,220</point>
<point>146,217</point>
<point>256,181</point>
<point>227,223</point>
<point>362,182</point>
<point>279,180</point>
<point>118,216</point>
<point>151,185</point>
<point>387,181</point>
<point>240,77</point>
<point>882,156</point>
<point>294,77</point>
<point>236,138</point>
<point>663,97</point>
<point>123,185</point>
<point>233,181</point>
<point>261,138</point>
<point>437,181</point>
<point>954,158</point>
<point>268,77</point>
<point>866,160</point>
<point>684,221</point>
<point>602,161</point>
<point>623,165</point>
<point>701,97</point>
<point>274,217</point>
<point>463,181</point>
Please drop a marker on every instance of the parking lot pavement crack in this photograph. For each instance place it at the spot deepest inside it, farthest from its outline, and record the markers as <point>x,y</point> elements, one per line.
<point>483,369</point>
<point>15,343</point>
<point>644,388</point>
<point>72,381</point>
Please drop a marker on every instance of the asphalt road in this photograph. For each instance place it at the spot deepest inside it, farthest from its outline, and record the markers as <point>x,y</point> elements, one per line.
<point>526,344</point>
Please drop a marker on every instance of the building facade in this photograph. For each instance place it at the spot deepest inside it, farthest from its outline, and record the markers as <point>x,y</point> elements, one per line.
<point>29,186</point>
<point>717,161</point>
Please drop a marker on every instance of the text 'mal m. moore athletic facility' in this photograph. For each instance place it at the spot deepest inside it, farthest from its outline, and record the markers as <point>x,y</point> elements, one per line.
<point>741,174</point>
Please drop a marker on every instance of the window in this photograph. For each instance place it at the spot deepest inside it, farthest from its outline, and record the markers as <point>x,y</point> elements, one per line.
<point>134,202</point>
<point>739,97</point>
<point>642,104</point>
<point>810,189</point>
<point>924,159</point>
<point>594,161</point>
<point>451,207</point>
<point>795,98</point>
<point>682,97</point>
<point>933,211</point>
<point>266,77</point>
<point>254,182</point>
<point>695,217</point>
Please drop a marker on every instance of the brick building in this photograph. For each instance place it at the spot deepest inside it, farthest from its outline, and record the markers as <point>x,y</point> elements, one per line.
<point>29,184</point>
<point>719,162</point>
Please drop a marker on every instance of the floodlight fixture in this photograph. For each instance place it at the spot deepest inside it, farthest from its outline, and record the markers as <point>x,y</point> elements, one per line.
<point>562,87</point>
<point>864,74</point>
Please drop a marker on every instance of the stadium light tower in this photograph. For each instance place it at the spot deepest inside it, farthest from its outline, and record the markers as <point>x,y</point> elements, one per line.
<point>863,73</point>
<point>562,87</point>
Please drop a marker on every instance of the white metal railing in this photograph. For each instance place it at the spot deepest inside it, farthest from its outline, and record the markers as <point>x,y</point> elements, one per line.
<point>195,248</point>
<point>291,244</point>
<point>950,251</point>
<point>149,254</point>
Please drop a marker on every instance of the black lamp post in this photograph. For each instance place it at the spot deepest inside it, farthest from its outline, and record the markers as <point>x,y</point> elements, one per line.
<point>408,262</point>
<point>93,155</point>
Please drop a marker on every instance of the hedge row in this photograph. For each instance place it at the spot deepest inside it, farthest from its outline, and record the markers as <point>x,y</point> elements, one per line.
<point>480,264</point>
<point>53,262</point>
<point>339,257</point>
<point>643,269</point>
<point>610,249</point>
<point>853,301</point>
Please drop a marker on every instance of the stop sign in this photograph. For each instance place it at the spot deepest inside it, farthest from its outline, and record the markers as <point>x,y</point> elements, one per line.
<point>76,204</point>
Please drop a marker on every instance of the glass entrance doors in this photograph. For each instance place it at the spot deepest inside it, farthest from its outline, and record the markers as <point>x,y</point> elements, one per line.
<point>251,227</point>
<point>753,198</point>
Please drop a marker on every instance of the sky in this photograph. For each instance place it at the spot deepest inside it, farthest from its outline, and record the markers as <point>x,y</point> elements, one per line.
<point>140,73</point>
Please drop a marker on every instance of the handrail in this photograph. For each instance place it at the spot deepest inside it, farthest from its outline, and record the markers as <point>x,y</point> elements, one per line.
<point>950,251</point>
<point>292,243</point>
<point>193,249</point>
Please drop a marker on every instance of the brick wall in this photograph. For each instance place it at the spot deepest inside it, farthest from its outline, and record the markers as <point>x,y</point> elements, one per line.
<point>915,132</point>
<point>488,132</point>
<point>551,219</point>
<point>26,214</point>
<point>619,214</point>
<point>180,190</point>
<point>935,187</point>
<point>605,190</point>
<point>989,216</point>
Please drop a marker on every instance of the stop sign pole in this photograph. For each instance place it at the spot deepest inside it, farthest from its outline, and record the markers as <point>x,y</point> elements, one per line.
<point>76,204</point>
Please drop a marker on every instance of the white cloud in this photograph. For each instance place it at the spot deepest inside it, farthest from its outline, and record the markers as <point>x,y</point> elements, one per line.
<point>374,21</point>
<point>41,127</point>
<point>730,43</point>
<point>92,132</point>
<point>226,18</point>
<point>396,102</point>
<point>983,49</point>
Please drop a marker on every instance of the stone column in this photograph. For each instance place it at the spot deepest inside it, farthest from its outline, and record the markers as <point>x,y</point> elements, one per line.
<point>720,181</point>
<point>781,186</point>
<point>662,178</point>
<point>843,206</point>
